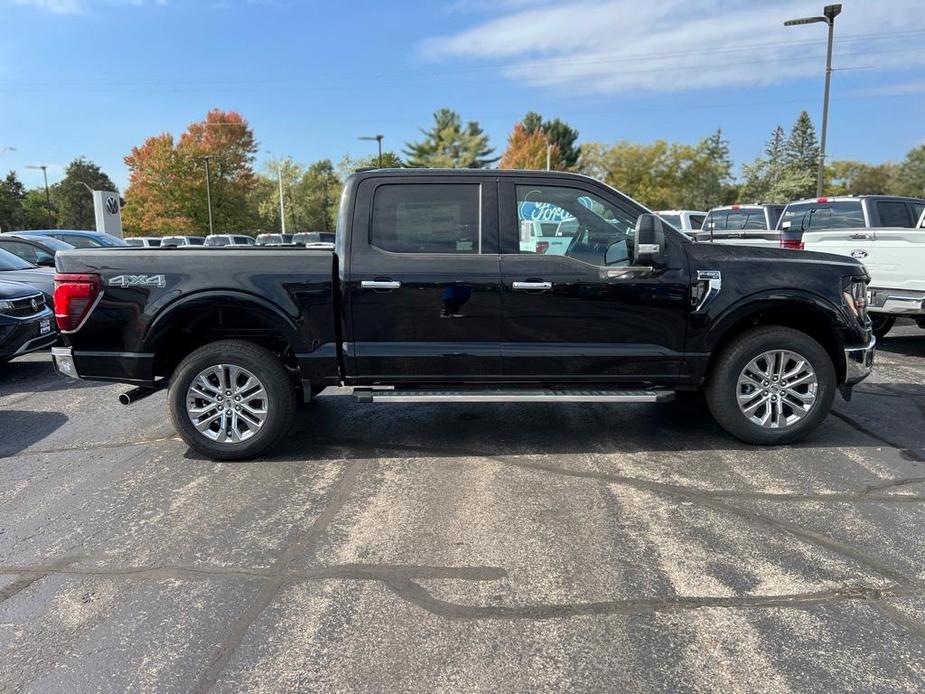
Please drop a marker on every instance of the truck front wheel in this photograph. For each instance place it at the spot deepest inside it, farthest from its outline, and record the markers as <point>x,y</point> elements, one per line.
<point>231,400</point>
<point>882,323</point>
<point>771,385</point>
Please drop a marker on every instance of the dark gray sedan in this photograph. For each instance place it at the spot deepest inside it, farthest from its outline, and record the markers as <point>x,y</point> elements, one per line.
<point>15,269</point>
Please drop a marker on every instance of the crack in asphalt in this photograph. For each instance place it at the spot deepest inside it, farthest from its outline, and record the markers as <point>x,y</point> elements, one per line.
<point>402,580</point>
<point>277,578</point>
<point>908,453</point>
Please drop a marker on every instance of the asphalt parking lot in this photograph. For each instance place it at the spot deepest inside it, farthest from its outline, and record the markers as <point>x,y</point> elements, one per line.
<point>462,548</point>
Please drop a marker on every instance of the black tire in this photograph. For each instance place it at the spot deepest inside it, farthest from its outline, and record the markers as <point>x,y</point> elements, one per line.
<point>721,391</point>
<point>280,402</point>
<point>882,324</point>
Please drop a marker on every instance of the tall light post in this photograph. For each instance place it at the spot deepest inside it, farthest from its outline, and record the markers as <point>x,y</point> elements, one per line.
<point>44,170</point>
<point>377,138</point>
<point>208,161</point>
<point>829,13</point>
<point>282,200</point>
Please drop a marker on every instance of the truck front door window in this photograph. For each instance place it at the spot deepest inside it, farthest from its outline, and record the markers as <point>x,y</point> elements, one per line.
<point>555,220</point>
<point>426,218</point>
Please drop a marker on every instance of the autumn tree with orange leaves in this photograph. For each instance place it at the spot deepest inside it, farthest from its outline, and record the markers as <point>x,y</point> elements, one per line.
<point>167,179</point>
<point>527,150</point>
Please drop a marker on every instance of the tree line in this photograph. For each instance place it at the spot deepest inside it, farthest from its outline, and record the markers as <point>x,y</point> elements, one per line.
<point>168,176</point>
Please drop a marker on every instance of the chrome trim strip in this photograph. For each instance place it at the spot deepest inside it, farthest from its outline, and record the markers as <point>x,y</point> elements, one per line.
<point>532,285</point>
<point>714,280</point>
<point>120,355</point>
<point>380,284</point>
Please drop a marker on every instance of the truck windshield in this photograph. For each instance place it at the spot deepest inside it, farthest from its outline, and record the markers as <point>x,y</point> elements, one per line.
<point>804,216</point>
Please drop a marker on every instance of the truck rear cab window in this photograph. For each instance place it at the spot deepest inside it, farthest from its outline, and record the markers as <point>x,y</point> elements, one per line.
<point>824,215</point>
<point>696,221</point>
<point>426,218</point>
<point>739,220</point>
<point>894,214</point>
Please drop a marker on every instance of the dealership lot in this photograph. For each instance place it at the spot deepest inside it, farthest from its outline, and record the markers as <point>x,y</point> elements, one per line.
<point>464,547</point>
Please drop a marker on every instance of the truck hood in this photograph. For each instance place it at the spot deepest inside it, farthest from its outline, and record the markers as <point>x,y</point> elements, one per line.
<point>724,253</point>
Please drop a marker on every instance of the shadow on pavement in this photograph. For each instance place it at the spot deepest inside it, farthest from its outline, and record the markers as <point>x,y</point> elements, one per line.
<point>40,376</point>
<point>338,428</point>
<point>906,345</point>
<point>20,429</point>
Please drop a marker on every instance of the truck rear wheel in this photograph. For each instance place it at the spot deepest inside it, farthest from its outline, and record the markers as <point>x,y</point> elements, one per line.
<point>882,323</point>
<point>771,385</point>
<point>231,400</point>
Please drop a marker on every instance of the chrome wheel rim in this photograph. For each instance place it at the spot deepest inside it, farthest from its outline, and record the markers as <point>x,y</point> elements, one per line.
<point>777,389</point>
<point>227,403</point>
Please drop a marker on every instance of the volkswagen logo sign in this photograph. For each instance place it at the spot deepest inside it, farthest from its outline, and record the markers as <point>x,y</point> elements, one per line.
<point>112,204</point>
<point>860,254</point>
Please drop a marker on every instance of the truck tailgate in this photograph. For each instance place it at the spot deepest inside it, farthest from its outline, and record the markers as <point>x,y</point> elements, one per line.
<point>895,258</point>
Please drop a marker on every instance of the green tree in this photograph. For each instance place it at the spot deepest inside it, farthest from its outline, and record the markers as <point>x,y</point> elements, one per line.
<point>801,157</point>
<point>649,173</point>
<point>36,212</point>
<point>858,178</point>
<point>706,178</point>
<point>72,199</point>
<point>349,165</point>
<point>450,145</point>
<point>12,195</point>
<point>558,133</point>
<point>910,179</point>
<point>320,189</point>
<point>268,208</point>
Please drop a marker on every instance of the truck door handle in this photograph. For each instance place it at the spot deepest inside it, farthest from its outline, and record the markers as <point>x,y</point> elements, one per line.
<point>542,286</point>
<point>380,284</point>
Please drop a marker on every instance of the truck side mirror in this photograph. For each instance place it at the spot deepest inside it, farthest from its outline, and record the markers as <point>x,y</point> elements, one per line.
<point>649,248</point>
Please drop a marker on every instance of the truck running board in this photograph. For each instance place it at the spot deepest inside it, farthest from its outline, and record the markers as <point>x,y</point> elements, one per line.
<point>513,395</point>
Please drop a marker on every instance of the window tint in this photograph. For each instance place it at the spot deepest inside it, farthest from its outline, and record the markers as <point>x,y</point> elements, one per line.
<point>717,219</point>
<point>824,215</point>
<point>197,241</point>
<point>134,242</point>
<point>21,250</point>
<point>894,214</point>
<point>697,221</point>
<point>426,218</point>
<point>586,227</point>
<point>217,241</point>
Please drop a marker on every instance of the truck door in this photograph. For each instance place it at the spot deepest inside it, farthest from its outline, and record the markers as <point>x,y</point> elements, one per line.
<point>423,282</point>
<point>576,309</point>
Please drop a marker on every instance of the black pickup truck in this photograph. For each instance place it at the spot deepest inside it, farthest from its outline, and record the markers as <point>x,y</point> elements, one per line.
<point>438,290</point>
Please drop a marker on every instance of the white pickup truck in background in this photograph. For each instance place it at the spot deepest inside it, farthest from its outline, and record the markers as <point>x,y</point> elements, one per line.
<point>895,259</point>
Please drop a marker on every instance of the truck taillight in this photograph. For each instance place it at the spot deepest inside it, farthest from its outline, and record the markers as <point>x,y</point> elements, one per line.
<point>75,295</point>
<point>542,246</point>
<point>792,244</point>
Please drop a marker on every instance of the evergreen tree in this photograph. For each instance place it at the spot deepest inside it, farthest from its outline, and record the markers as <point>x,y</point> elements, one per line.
<point>12,195</point>
<point>450,145</point>
<point>801,156</point>
<point>558,133</point>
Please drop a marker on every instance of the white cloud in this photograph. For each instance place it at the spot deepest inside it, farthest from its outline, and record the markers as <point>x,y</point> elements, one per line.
<point>610,46</point>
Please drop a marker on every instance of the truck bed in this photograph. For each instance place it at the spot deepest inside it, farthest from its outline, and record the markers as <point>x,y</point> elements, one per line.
<point>143,289</point>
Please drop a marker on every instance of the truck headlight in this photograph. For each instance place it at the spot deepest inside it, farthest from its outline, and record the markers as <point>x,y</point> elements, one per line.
<point>855,295</point>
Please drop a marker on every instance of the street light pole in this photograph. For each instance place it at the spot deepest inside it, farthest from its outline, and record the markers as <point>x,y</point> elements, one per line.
<point>377,138</point>
<point>208,161</point>
<point>282,202</point>
<point>44,169</point>
<point>830,12</point>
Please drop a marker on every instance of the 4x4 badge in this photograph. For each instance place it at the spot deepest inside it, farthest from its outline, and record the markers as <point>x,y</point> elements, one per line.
<point>125,281</point>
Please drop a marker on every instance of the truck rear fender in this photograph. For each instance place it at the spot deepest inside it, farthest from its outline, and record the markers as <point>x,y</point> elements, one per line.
<point>204,317</point>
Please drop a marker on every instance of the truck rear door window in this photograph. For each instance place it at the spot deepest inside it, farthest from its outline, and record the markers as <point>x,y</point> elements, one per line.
<point>894,214</point>
<point>426,218</point>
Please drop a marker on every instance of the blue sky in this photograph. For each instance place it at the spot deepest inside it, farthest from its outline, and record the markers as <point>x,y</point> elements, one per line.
<point>96,77</point>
